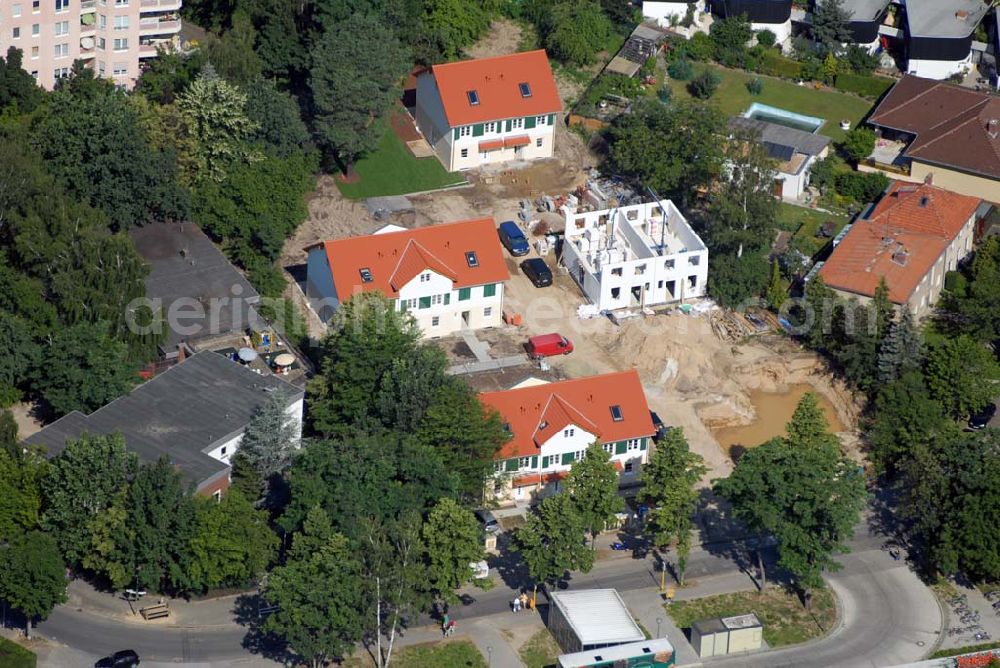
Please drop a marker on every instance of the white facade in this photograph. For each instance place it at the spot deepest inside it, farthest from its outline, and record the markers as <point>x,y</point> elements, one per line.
<point>470,146</point>
<point>670,14</point>
<point>938,69</point>
<point>794,184</point>
<point>436,304</point>
<point>553,460</point>
<point>224,452</point>
<point>635,256</point>
<point>441,309</point>
<point>782,32</point>
<point>110,36</point>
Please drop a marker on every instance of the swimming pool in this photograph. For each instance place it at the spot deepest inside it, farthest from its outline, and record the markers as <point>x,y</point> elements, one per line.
<point>769,114</point>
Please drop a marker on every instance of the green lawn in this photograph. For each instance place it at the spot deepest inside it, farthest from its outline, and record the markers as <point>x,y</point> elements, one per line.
<point>541,650</point>
<point>804,223</point>
<point>785,621</point>
<point>734,98</point>
<point>392,170</point>
<point>13,655</point>
<point>461,654</point>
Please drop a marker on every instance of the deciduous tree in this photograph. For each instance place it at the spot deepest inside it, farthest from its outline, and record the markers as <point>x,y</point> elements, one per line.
<point>232,544</point>
<point>452,539</point>
<point>668,489</point>
<point>904,418</point>
<point>592,484</point>
<point>319,594</point>
<point>552,541</point>
<point>961,374</point>
<point>32,576</point>
<point>354,77</point>
<point>575,31</point>
<point>20,502</point>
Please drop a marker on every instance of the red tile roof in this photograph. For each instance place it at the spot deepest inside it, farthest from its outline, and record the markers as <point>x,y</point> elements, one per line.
<point>901,239</point>
<point>583,402</point>
<point>954,126</point>
<point>496,82</point>
<point>395,258</point>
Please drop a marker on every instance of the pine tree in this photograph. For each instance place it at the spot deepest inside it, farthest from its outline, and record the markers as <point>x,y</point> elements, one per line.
<point>902,349</point>
<point>777,291</point>
<point>829,25</point>
<point>269,439</point>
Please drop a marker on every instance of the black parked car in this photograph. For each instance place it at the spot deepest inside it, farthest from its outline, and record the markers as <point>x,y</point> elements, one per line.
<point>983,417</point>
<point>537,272</point>
<point>126,658</point>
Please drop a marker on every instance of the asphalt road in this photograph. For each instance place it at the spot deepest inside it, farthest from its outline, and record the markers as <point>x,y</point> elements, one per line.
<point>887,612</point>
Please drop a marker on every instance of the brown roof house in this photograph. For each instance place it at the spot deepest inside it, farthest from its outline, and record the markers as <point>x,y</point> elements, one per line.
<point>930,128</point>
<point>911,237</point>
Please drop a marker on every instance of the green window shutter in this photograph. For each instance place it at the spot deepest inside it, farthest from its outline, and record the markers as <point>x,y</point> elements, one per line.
<point>464,293</point>
<point>510,464</point>
<point>568,457</point>
<point>545,462</point>
<point>456,132</point>
<point>477,130</point>
<point>490,290</point>
<point>425,302</point>
<point>529,122</point>
<point>552,119</point>
<point>507,126</point>
<point>534,461</point>
<point>447,299</point>
<point>642,444</point>
<point>621,447</point>
<point>402,305</point>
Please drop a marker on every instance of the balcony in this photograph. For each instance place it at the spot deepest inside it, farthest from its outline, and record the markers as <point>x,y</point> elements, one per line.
<point>88,6</point>
<point>159,26</point>
<point>159,5</point>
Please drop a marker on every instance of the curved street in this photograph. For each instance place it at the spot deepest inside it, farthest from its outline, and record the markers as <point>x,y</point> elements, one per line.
<point>888,616</point>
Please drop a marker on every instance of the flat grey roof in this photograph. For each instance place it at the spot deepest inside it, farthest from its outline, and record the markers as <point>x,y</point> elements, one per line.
<point>181,413</point>
<point>941,18</point>
<point>709,626</point>
<point>863,10</point>
<point>185,264</point>
<point>656,646</point>
<point>799,141</point>
<point>598,616</point>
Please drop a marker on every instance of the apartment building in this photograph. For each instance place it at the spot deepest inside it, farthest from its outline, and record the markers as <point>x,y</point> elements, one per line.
<point>448,277</point>
<point>112,37</point>
<point>490,110</point>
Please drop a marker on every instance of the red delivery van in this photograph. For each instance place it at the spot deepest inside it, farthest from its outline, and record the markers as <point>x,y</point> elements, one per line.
<point>546,345</point>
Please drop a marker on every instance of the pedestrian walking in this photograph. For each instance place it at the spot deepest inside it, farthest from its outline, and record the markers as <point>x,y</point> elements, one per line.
<point>523,598</point>
<point>516,605</point>
<point>445,620</point>
<point>450,629</point>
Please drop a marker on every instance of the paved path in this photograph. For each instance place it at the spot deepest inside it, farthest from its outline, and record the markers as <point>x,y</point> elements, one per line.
<point>488,365</point>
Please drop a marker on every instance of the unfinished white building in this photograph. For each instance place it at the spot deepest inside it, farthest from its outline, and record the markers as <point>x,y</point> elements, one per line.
<point>635,256</point>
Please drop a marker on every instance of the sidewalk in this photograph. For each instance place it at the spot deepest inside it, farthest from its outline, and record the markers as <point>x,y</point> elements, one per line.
<point>496,636</point>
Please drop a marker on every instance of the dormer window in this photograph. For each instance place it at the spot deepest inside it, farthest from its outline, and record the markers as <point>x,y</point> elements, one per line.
<point>366,274</point>
<point>473,97</point>
<point>616,413</point>
<point>471,259</point>
<point>525,89</point>
<point>543,424</point>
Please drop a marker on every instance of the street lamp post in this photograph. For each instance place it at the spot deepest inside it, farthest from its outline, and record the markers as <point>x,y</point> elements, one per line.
<point>489,656</point>
<point>659,621</point>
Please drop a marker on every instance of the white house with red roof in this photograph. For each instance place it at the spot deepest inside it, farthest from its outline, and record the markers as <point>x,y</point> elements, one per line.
<point>489,110</point>
<point>448,276</point>
<point>551,425</point>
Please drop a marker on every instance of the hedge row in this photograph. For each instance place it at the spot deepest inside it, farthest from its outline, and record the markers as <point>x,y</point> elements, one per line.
<point>866,86</point>
<point>772,63</point>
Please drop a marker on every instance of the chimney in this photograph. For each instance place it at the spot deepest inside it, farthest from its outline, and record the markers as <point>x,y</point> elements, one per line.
<point>961,15</point>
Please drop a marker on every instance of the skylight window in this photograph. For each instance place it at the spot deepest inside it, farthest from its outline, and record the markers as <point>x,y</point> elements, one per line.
<point>366,274</point>
<point>616,413</point>
<point>525,89</point>
<point>471,259</point>
<point>473,97</point>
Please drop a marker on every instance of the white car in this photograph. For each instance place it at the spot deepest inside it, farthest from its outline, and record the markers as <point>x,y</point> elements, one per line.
<point>480,569</point>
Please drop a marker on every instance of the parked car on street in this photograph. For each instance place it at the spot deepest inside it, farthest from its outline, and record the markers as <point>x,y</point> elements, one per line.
<point>126,658</point>
<point>513,238</point>
<point>537,272</point>
<point>490,524</point>
<point>547,345</point>
<point>981,419</point>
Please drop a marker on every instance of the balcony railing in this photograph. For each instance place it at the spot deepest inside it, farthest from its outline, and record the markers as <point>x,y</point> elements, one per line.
<point>88,4</point>
<point>159,27</point>
<point>160,4</point>
<point>902,170</point>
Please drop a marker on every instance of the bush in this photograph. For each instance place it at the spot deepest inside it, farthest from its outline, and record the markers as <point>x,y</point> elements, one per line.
<point>755,86</point>
<point>955,283</point>
<point>729,40</point>
<point>859,143</point>
<point>699,47</point>
<point>704,85</point>
<point>774,64</point>
<point>861,186</point>
<point>665,93</point>
<point>681,69</point>
<point>860,61</point>
<point>766,38</point>
<point>866,86</point>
